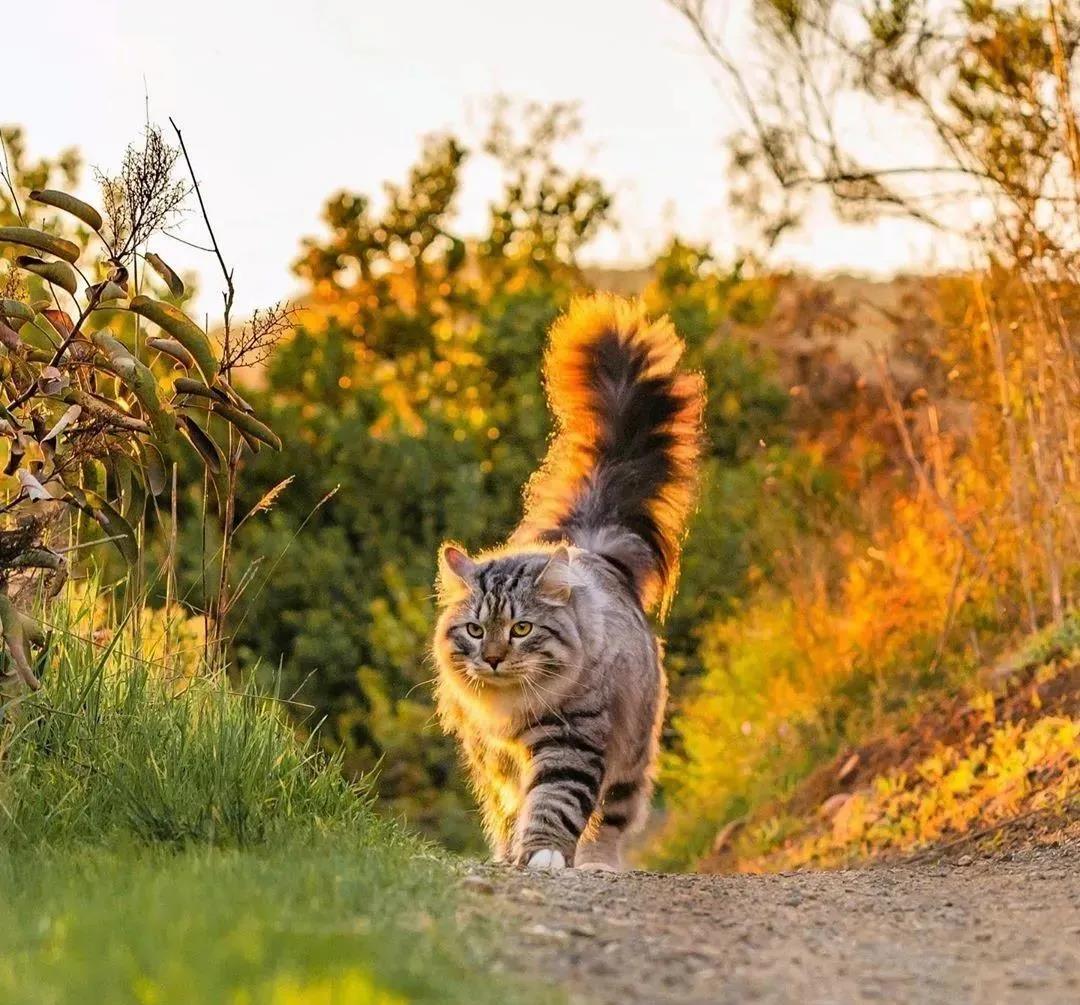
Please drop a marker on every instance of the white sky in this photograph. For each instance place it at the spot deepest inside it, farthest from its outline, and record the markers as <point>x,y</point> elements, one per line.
<point>283,102</point>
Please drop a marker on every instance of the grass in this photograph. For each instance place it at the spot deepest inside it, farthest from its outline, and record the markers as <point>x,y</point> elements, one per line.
<point>167,838</point>
<point>345,917</point>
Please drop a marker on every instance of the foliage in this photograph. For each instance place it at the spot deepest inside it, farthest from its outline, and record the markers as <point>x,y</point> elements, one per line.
<point>981,91</point>
<point>987,90</point>
<point>967,766</point>
<point>951,792</point>
<point>91,419</point>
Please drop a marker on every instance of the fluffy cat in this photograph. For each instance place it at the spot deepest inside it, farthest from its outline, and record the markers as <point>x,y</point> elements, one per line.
<point>549,672</point>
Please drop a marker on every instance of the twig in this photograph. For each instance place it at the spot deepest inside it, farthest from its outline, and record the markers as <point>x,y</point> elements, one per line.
<point>230,291</point>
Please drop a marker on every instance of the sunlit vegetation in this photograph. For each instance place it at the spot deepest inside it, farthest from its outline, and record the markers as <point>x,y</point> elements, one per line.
<point>410,407</point>
<point>968,766</point>
<point>954,446</point>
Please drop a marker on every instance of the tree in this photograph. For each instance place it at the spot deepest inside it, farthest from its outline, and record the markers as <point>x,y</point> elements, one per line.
<point>983,93</point>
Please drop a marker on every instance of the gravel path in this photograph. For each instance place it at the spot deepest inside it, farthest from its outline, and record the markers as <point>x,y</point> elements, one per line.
<point>988,930</point>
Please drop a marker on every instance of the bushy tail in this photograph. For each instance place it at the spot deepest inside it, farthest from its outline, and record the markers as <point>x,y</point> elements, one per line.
<point>620,476</point>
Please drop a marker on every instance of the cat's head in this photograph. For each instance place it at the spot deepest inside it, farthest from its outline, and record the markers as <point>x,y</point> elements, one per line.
<point>508,621</point>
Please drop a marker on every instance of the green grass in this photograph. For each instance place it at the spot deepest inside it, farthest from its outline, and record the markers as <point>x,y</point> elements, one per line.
<point>166,838</point>
<point>353,912</point>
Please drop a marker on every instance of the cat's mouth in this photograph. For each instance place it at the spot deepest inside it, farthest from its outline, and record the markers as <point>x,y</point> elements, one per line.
<point>494,678</point>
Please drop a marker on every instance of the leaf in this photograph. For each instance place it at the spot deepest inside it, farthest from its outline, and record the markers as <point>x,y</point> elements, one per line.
<point>153,468</point>
<point>40,241</point>
<point>232,393</point>
<point>134,498</point>
<point>185,385</point>
<point>93,475</point>
<point>138,376</point>
<point>69,204</point>
<point>113,524</point>
<point>117,352</point>
<point>172,348</point>
<point>248,424</point>
<point>35,491</point>
<point>65,420</point>
<point>15,457</point>
<point>60,273</point>
<point>38,558</point>
<point>52,381</point>
<point>172,280</point>
<point>106,292</point>
<point>60,320</point>
<point>177,324</point>
<point>16,310</point>
<point>105,408</point>
<point>43,324</point>
<point>201,441</point>
<point>15,641</point>
<point>9,337</point>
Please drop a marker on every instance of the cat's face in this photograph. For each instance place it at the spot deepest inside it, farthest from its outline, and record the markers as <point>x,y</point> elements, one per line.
<point>507,621</point>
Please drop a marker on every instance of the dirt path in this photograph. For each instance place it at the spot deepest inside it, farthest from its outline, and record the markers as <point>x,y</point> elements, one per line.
<point>994,930</point>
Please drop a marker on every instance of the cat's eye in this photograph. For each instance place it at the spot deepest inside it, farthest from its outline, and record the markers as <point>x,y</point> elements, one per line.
<point>520,629</point>
<point>475,630</point>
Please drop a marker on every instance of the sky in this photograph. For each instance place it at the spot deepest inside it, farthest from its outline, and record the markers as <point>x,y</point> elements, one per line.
<point>284,103</point>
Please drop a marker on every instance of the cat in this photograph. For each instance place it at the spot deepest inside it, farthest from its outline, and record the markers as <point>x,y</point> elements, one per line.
<point>550,675</point>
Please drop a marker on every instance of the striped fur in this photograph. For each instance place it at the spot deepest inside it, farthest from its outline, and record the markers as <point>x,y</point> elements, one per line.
<point>621,473</point>
<point>549,672</point>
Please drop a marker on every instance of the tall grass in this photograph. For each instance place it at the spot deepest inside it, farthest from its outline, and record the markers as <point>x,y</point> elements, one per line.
<point>156,750</point>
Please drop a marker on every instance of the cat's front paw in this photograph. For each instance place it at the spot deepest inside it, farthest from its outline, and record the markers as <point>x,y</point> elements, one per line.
<point>546,858</point>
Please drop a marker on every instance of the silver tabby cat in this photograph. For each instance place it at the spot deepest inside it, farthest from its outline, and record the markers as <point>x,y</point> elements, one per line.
<point>549,672</point>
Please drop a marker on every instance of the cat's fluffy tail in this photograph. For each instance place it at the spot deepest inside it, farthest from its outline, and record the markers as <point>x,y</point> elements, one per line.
<point>620,476</point>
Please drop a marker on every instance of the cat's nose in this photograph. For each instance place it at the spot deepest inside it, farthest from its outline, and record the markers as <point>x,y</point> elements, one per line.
<point>493,662</point>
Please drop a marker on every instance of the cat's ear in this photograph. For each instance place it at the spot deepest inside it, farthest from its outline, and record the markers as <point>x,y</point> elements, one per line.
<point>456,571</point>
<point>556,580</point>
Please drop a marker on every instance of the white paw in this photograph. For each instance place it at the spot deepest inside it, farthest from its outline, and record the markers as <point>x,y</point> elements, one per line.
<point>598,867</point>
<point>546,858</point>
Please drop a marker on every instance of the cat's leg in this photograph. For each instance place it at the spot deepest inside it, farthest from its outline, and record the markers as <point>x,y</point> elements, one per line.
<point>623,807</point>
<point>628,784</point>
<point>561,785</point>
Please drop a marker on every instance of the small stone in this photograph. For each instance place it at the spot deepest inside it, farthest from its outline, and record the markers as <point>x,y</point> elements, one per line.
<point>477,884</point>
<point>585,931</point>
<point>964,860</point>
<point>543,932</point>
<point>531,896</point>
